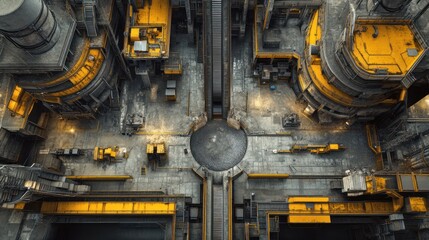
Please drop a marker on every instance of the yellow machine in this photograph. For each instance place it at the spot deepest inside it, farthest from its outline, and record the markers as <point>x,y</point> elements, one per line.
<point>312,148</point>
<point>155,148</point>
<point>110,153</point>
<point>155,152</point>
<point>148,29</point>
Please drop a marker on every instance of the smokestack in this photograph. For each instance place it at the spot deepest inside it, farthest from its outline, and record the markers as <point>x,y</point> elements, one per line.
<point>29,25</point>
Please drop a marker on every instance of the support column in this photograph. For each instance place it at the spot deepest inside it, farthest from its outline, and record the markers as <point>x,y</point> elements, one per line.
<point>244,18</point>
<point>120,8</point>
<point>189,16</point>
<point>423,230</point>
<point>142,73</point>
<point>268,13</point>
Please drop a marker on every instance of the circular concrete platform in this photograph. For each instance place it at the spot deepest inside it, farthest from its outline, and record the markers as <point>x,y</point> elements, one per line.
<point>217,146</point>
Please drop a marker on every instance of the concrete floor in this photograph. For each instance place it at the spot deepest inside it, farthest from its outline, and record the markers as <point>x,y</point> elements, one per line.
<point>165,121</point>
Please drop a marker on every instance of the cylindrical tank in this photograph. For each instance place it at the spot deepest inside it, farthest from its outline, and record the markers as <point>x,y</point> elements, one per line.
<point>29,25</point>
<point>394,5</point>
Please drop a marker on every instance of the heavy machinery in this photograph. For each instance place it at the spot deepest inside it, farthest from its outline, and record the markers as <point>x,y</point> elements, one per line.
<point>147,41</point>
<point>156,153</point>
<point>109,153</point>
<point>312,148</point>
<point>291,120</point>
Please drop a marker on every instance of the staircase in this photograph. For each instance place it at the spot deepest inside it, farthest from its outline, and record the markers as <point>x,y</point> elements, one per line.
<point>89,17</point>
<point>18,183</point>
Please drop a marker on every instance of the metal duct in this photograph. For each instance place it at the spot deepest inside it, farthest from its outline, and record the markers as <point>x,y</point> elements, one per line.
<point>29,25</point>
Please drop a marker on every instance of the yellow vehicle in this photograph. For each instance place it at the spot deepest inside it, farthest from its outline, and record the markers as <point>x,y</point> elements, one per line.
<point>312,148</point>
<point>110,153</point>
<point>155,152</point>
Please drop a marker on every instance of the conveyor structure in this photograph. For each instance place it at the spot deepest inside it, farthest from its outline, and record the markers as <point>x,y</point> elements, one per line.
<point>217,47</point>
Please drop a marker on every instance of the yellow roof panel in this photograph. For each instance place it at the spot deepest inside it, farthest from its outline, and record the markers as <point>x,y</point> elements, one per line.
<point>386,47</point>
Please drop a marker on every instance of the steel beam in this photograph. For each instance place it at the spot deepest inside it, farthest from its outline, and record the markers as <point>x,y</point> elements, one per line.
<point>244,18</point>
<point>299,4</point>
<point>268,13</point>
<point>267,176</point>
<point>100,177</point>
<point>189,16</point>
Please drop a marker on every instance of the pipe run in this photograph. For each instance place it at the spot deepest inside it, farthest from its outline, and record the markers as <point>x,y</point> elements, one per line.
<point>267,176</point>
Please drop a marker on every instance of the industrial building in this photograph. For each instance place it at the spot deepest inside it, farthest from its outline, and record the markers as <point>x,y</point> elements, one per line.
<point>214,119</point>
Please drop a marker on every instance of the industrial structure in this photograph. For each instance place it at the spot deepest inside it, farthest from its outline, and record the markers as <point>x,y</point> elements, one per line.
<point>214,119</point>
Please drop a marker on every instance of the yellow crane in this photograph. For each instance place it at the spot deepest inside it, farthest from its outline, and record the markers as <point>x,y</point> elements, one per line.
<point>109,153</point>
<point>312,148</point>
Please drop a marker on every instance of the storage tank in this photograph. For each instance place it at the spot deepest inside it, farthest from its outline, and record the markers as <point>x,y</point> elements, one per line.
<point>394,5</point>
<point>29,25</point>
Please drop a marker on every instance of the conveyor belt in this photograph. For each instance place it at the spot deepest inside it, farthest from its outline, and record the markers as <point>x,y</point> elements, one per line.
<point>217,69</point>
<point>218,217</point>
<point>217,57</point>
